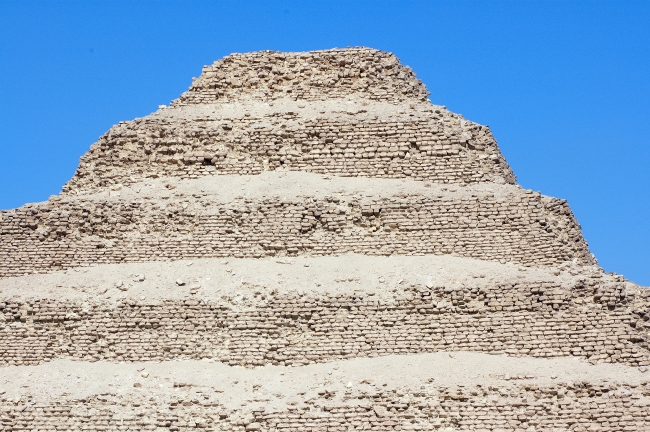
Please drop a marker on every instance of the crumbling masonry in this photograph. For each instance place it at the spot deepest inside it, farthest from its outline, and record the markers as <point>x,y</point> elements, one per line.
<point>362,220</point>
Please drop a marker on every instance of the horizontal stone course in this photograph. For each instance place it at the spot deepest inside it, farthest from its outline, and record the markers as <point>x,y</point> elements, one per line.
<point>599,322</point>
<point>525,229</point>
<point>309,76</point>
<point>442,148</point>
<point>565,406</point>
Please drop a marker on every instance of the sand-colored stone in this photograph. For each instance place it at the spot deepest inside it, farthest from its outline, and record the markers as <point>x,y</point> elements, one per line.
<point>302,241</point>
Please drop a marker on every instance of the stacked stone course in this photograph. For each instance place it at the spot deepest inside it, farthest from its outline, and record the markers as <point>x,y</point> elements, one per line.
<point>313,76</point>
<point>577,407</point>
<point>522,228</point>
<point>592,321</point>
<point>438,146</point>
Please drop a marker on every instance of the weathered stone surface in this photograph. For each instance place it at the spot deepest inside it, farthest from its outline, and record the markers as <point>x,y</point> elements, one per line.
<point>592,321</point>
<point>565,406</point>
<point>521,227</point>
<point>435,145</point>
<point>346,158</point>
<point>316,75</point>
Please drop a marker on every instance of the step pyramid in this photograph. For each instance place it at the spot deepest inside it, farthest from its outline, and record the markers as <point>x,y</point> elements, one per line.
<point>304,242</point>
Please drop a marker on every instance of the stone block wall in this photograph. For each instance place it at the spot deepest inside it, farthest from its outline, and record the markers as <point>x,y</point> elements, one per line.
<point>563,406</point>
<point>592,320</point>
<point>523,228</point>
<point>309,76</point>
<point>442,148</point>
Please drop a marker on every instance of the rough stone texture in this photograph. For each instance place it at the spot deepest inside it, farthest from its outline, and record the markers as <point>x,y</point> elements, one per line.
<point>311,76</point>
<point>561,407</point>
<point>326,155</point>
<point>591,321</point>
<point>522,227</point>
<point>435,145</point>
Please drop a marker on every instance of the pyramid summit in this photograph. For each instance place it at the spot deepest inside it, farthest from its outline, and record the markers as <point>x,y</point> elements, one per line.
<point>303,241</point>
<point>311,112</point>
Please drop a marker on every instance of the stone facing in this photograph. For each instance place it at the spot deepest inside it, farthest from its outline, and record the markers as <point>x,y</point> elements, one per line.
<point>440,147</point>
<point>592,320</point>
<point>311,76</point>
<point>577,407</point>
<point>522,228</point>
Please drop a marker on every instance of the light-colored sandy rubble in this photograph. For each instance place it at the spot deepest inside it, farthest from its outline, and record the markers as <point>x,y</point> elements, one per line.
<point>342,274</point>
<point>302,241</point>
<point>420,391</point>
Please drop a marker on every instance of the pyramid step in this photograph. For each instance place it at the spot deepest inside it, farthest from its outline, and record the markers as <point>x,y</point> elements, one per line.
<point>243,314</point>
<point>444,391</point>
<point>345,138</point>
<point>510,226</point>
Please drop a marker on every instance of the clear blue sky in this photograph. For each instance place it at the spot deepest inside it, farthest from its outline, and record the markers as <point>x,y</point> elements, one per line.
<point>565,86</point>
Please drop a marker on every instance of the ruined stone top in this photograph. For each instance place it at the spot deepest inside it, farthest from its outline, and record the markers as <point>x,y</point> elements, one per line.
<point>314,75</point>
<point>345,112</point>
